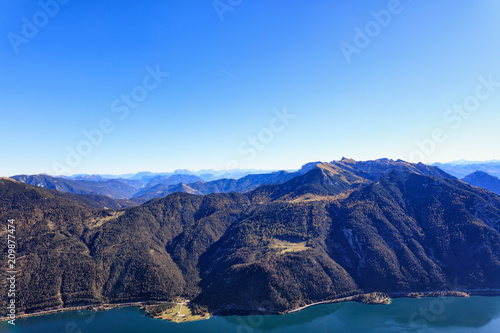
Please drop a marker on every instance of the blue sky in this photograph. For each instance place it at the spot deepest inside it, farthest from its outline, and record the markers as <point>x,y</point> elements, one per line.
<point>250,84</point>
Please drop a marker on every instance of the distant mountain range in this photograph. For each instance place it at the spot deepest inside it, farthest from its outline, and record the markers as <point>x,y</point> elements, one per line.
<point>463,168</point>
<point>158,186</point>
<point>113,188</point>
<point>482,179</point>
<point>241,185</point>
<point>146,176</point>
<point>288,239</point>
<point>145,186</point>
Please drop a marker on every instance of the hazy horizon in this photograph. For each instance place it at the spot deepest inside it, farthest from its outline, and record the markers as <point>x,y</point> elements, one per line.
<point>197,171</point>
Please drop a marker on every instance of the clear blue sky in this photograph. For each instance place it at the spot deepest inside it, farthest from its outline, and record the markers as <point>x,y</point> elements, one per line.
<point>228,77</point>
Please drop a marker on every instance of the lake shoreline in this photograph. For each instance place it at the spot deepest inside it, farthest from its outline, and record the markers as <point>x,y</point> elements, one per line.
<point>379,300</point>
<point>92,307</point>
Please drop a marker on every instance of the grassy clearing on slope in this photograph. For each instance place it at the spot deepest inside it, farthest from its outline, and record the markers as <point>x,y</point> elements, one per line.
<point>289,245</point>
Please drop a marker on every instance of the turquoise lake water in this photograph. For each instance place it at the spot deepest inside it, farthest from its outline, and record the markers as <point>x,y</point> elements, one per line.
<point>473,314</point>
